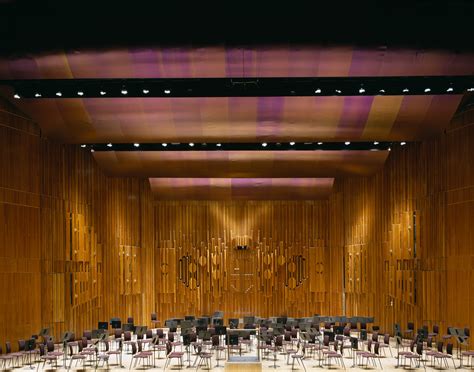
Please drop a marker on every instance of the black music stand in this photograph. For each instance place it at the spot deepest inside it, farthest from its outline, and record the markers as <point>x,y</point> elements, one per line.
<point>355,348</point>
<point>186,333</point>
<point>30,345</point>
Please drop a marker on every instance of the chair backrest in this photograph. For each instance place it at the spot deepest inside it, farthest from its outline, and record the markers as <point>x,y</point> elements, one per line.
<point>83,341</point>
<point>467,332</point>
<point>412,346</point>
<point>49,346</point>
<point>215,340</point>
<point>369,346</point>
<point>140,348</point>
<point>87,334</point>
<point>429,342</point>
<point>80,346</point>
<point>375,337</point>
<point>326,340</point>
<point>154,316</point>
<point>279,341</point>
<point>363,325</point>
<point>1,350</point>
<point>440,346</point>
<point>386,339</point>
<point>449,349</point>
<point>336,343</point>
<point>130,320</point>
<point>160,333</point>
<point>106,343</point>
<point>347,331</point>
<point>419,348</point>
<point>376,348</point>
<point>435,329</point>
<point>127,336</point>
<point>117,333</point>
<point>287,336</point>
<point>294,333</point>
<point>8,347</point>
<point>134,348</point>
<point>171,337</point>
<point>42,349</point>
<point>21,345</point>
<point>149,334</point>
<point>169,348</point>
<point>411,326</point>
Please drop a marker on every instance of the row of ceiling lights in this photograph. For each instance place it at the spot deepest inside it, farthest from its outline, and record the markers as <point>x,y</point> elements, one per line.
<point>124,92</point>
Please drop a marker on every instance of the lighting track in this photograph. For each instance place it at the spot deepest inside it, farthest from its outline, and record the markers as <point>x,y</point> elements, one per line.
<point>242,146</point>
<point>241,87</point>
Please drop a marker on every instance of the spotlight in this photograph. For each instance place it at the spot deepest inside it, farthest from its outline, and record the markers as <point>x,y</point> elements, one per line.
<point>450,89</point>
<point>406,90</point>
<point>320,143</point>
<point>80,93</point>
<point>59,94</point>
<point>191,144</point>
<point>376,143</point>
<point>103,92</point>
<point>317,91</point>
<point>264,144</point>
<point>382,91</point>
<point>37,95</point>
<point>16,96</point>
<point>83,146</point>
<point>403,143</point>
<point>338,91</point>
<point>124,91</point>
<point>146,91</point>
<point>109,145</point>
<point>427,90</point>
<point>292,143</point>
<point>389,149</point>
<point>136,144</point>
<point>361,90</point>
<point>92,150</point>
<point>470,89</point>
<point>347,143</point>
<point>218,145</point>
<point>164,144</point>
<point>167,91</point>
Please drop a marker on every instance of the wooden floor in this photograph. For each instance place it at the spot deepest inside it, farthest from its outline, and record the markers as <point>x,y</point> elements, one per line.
<point>310,363</point>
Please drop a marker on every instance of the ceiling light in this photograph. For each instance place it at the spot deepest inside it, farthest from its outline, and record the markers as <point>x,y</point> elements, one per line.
<point>146,91</point>
<point>361,90</point>
<point>83,146</point>
<point>376,143</point>
<point>317,91</point>
<point>136,144</point>
<point>347,143</point>
<point>470,89</point>
<point>103,92</point>
<point>427,90</point>
<point>450,89</point>
<point>264,144</point>
<point>16,96</point>
<point>406,90</point>
<point>389,149</point>
<point>403,143</point>
<point>80,93</point>
<point>92,150</point>
<point>109,145</point>
<point>338,91</point>
<point>164,144</point>
<point>167,91</point>
<point>218,145</point>
<point>320,143</point>
<point>59,94</point>
<point>191,144</point>
<point>292,143</point>
<point>37,95</point>
<point>124,91</point>
<point>382,91</point>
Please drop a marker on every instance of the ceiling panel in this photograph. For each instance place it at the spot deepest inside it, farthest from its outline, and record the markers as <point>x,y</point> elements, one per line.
<point>240,164</point>
<point>241,188</point>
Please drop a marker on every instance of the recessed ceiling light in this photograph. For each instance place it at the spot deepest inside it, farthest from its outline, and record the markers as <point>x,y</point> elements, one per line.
<point>167,91</point>
<point>403,143</point>
<point>320,143</point>
<point>450,89</point>
<point>146,91</point>
<point>317,91</point>
<point>16,96</point>
<point>37,95</point>
<point>59,94</point>
<point>191,144</point>
<point>124,91</point>
<point>136,144</point>
<point>164,144</point>
<point>109,145</point>
<point>80,93</point>
<point>292,143</point>
<point>361,90</point>
<point>389,149</point>
<point>264,144</point>
<point>470,89</point>
<point>83,145</point>
<point>382,91</point>
<point>427,90</point>
<point>103,92</point>
<point>218,145</point>
<point>347,143</point>
<point>376,143</point>
<point>92,150</point>
<point>406,90</point>
<point>338,91</point>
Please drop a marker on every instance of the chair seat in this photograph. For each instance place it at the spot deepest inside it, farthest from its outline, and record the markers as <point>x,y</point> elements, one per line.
<point>78,356</point>
<point>175,354</point>
<point>468,353</point>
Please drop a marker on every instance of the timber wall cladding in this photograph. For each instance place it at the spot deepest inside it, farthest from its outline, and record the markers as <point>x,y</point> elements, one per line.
<point>199,270</point>
<point>64,229</point>
<point>408,236</point>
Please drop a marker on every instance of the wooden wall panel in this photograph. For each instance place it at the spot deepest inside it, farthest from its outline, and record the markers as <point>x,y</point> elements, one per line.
<point>407,233</point>
<point>200,271</point>
<point>62,225</point>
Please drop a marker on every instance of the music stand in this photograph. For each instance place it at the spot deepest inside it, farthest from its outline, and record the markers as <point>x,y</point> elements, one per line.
<point>233,323</point>
<point>217,322</point>
<point>103,325</point>
<point>116,324</point>
<point>30,345</point>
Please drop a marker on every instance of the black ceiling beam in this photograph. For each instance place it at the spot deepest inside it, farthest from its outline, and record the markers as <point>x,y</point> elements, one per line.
<point>241,87</point>
<point>242,146</point>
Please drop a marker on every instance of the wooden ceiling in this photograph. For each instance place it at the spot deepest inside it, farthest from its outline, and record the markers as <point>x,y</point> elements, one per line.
<point>239,119</point>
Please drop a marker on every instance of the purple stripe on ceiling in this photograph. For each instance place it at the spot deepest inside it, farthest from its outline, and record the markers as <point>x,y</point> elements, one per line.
<point>354,116</point>
<point>269,116</point>
<point>366,62</point>
<point>176,63</point>
<point>233,62</point>
<point>145,63</point>
<point>24,67</point>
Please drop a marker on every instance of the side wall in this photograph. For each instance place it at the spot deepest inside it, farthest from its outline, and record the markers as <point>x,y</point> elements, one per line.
<point>76,246</point>
<point>407,235</point>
